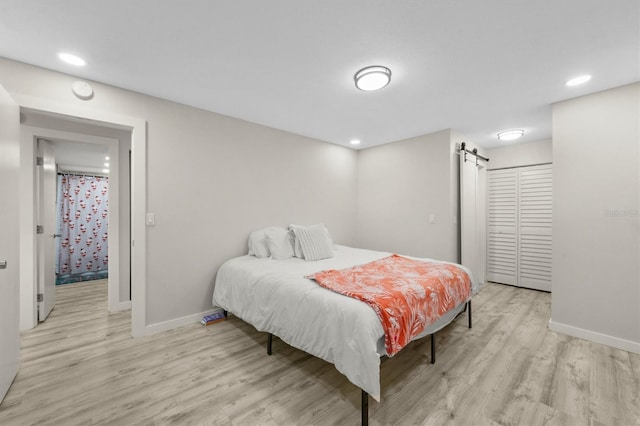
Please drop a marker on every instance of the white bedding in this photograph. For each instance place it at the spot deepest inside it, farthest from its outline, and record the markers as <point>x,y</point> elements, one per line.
<point>274,297</point>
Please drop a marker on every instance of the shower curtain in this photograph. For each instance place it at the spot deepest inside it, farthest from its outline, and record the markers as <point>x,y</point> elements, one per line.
<point>82,249</point>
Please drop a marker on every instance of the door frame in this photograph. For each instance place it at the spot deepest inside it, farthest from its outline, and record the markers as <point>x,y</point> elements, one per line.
<point>138,130</point>
<point>29,135</point>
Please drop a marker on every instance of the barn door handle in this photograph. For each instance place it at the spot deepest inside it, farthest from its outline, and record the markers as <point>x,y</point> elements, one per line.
<point>57,235</point>
<point>3,264</point>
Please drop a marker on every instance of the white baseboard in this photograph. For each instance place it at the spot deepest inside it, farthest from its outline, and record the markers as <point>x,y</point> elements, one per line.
<point>604,339</point>
<point>122,306</point>
<point>178,322</point>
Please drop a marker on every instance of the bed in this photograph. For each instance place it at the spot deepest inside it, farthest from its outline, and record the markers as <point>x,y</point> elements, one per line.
<point>276,297</point>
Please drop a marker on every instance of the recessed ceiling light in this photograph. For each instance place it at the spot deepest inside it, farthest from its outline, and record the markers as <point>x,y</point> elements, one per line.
<point>106,158</point>
<point>510,135</point>
<point>354,142</point>
<point>105,170</point>
<point>372,78</point>
<point>72,59</point>
<point>106,164</point>
<point>578,80</point>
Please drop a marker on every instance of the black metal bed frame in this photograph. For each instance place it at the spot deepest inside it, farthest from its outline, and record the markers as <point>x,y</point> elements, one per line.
<point>365,395</point>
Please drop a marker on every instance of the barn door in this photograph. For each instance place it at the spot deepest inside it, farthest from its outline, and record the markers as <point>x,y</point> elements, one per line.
<point>472,214</point>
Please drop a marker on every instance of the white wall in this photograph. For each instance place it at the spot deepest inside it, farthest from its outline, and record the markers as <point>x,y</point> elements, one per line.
<point>596,236</point>
<point>522,154</point>
<point>399,186</point>
<point>211,180</point>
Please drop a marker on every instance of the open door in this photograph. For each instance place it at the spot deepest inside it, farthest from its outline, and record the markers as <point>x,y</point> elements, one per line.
<point>472,213</point>
<point>9,240</point>
<point>46,208</point>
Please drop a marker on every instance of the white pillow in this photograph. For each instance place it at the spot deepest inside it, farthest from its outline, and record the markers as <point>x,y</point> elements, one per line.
<point>315,242</point>
<point>258,243</point>
<point>279,243</point>
<point>297,249</point>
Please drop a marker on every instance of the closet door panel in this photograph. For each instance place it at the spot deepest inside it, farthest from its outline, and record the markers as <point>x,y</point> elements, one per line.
<point>535,216</point>
<point>502,226</point>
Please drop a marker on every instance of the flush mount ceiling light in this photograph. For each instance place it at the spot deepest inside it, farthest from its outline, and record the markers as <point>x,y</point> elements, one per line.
<point>578,80</point>
<point>510,135</point>
<point>72,59</point>
<point>354,142</point>
<point>372,78</point>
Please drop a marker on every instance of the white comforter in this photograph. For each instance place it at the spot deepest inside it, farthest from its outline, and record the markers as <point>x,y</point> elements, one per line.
<point>274,297</point>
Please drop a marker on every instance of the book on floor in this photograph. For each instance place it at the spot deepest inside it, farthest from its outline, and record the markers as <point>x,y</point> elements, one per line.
<point>212,318</point>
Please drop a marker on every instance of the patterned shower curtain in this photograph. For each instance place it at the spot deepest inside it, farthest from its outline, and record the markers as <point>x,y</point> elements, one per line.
<point>82,250</point>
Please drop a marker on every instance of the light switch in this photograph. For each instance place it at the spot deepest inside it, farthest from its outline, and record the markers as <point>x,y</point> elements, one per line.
<point>151,219</point>
<point>432,218</point>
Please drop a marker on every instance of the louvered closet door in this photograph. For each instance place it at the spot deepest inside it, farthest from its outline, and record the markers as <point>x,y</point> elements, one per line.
<point>502,220</point>
<point>535,189</point>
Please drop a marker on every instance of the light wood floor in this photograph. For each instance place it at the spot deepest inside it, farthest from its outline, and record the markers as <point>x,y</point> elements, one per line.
<point>82,367</point>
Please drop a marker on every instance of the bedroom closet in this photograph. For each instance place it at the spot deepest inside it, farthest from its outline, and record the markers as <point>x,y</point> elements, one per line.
<point>519,226</point>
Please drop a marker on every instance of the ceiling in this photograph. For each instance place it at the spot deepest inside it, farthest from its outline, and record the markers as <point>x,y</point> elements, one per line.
<point>80,157</point>
<point>478,67</point>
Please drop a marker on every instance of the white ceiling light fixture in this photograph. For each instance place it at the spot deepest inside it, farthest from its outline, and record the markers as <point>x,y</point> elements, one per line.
<point>105,170</point>
<point>509,135</point>
<point>578,80</point>
<point>72,59</point>
<point>372,78</point>
<point>354,142</point>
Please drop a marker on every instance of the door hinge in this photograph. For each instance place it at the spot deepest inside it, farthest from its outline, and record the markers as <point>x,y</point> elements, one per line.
<point>39,229</point>
<point>39,161</point>
<point>40,297</point>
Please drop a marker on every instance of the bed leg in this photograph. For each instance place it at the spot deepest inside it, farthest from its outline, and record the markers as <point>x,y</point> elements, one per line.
<point>269,342</point>
<point>365,408</point>
<point>225,313</point>
<point>469,306</point>
<point>433,348</point>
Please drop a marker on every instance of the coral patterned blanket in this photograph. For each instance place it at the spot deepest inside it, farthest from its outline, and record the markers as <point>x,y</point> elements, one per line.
<point>406,294</point>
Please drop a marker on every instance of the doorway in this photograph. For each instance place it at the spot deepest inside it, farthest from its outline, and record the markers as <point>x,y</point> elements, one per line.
<point>84,114</point>
<point>75,148</point>
<point>118,140</point>
<point>82,212</point>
